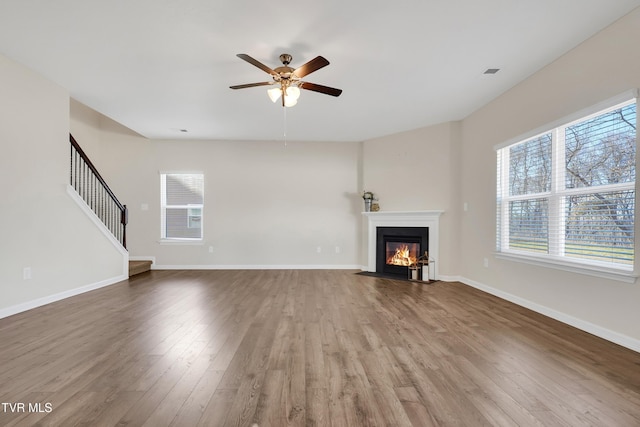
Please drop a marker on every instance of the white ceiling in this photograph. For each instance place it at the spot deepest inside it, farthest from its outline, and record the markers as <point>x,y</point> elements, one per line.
<point>158,66</point>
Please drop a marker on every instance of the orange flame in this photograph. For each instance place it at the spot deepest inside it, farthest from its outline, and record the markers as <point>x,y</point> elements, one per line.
<point>402,257</point>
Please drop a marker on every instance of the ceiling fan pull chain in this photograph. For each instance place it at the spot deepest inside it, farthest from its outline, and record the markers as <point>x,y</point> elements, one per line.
<point>285,127</point>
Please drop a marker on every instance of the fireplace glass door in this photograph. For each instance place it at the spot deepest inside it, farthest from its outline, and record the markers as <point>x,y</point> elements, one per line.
<point>399,247</point>
<point>401,253</point>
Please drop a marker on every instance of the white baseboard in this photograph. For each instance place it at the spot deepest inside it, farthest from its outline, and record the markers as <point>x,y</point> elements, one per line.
<point>256,267</point>
<point>19,308</point>
<point>448,278</point>
<point>599,331</point>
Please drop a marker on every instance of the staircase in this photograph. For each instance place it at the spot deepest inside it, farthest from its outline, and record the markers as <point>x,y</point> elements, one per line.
<point>93,189</point>
<point>139,267</point>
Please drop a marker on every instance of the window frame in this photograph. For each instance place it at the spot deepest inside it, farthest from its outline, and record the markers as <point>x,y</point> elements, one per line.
<point>164,207</point>
<point>555,258</point>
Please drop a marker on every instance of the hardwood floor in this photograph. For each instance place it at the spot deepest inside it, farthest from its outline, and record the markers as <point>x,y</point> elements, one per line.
<point>276,348</point>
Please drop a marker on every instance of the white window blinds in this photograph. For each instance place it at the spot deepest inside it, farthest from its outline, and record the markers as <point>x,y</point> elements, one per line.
<point>182,200</point>
<point>570,193</point>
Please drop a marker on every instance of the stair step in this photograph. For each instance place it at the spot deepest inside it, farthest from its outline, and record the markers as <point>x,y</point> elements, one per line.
<point>138,267</point>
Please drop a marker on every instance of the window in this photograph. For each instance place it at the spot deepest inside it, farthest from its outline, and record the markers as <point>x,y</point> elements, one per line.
<point>568,194</point>
<point>182,201</point>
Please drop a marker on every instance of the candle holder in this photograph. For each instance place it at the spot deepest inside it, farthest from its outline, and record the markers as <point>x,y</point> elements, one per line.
<point>414,272</point>
<point>422,270</point>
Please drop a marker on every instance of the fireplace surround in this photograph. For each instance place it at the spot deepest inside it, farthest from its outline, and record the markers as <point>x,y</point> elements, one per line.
<point>405,219</point>
<point>398,247</point>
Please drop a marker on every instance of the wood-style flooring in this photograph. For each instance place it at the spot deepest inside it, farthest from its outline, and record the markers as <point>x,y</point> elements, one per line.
<point>305,348</point>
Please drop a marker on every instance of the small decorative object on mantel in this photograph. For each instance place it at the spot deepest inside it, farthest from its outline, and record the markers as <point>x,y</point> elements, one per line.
<point>368,197</point>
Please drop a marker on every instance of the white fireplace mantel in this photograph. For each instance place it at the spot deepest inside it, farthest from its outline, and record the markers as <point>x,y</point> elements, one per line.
<point>429,219</point>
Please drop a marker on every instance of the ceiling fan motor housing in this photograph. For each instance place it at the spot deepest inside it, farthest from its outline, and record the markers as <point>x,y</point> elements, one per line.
<point>285,58</point>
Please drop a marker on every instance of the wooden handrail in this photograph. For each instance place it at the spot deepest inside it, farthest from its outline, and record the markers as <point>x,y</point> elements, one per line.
<point>90,194</point>
<point>95,171</point>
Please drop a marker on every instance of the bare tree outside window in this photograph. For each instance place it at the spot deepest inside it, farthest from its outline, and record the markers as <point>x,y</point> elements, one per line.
<point>601,152</point>
<point>570,192</point>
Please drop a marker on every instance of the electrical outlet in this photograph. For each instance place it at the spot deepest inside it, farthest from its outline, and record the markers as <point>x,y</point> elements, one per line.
<point>210,249</point>
<point>486,263</point>
<point>319,249</point>
<point>26,273</point>
<point>338,249</point>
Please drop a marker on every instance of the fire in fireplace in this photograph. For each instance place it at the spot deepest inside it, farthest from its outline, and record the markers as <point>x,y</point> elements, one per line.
<point>403,254</point>
<point>399,247</point>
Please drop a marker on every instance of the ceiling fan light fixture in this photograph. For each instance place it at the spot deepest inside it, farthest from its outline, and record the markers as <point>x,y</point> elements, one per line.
<point>291,95</point>
<point>289,101</point>
<point>293,92</point>
<point>274,93</point>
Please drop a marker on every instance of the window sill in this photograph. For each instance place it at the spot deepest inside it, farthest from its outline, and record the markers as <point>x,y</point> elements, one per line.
<point>605,272</point>
<point>181,242</point>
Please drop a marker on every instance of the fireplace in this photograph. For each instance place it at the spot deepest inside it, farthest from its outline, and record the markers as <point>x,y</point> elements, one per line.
<point>399,247</point>
<point>405,219</point>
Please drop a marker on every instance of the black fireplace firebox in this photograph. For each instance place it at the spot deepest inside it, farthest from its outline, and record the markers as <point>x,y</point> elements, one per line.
<point>398,247</point>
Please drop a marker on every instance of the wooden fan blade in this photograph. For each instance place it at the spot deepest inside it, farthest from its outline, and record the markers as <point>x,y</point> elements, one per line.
<point>257,63</point>
<point>311,66</point>
<point>322,89</point>
<point>251,85</point>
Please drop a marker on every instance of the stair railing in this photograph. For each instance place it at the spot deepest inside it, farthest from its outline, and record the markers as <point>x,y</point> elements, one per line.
<point>86,180</point>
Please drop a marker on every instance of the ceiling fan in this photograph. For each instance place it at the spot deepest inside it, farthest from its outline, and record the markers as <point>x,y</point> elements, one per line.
<point>287,81</point>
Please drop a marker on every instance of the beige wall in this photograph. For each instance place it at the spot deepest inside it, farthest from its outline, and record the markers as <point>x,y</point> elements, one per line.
<point>417,170</point>
<point>600,68</point>
<point>41,226</point>
<point>272,205</point>
<point>266,203</point>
